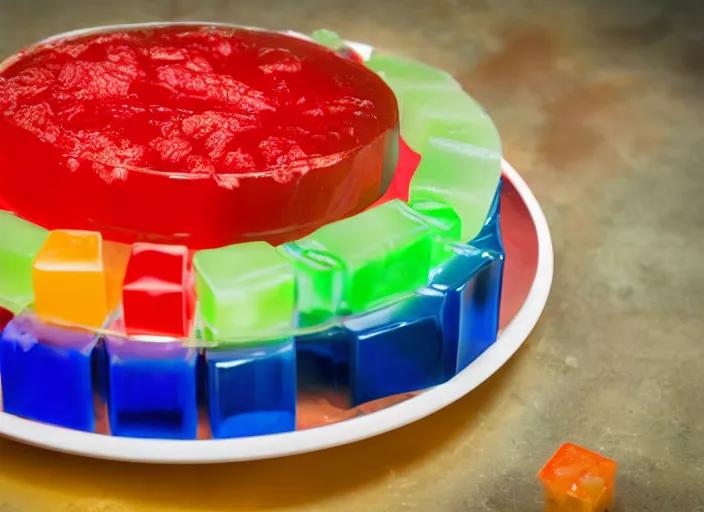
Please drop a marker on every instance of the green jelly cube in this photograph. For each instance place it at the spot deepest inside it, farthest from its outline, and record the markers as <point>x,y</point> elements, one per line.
<point>404,76</point>
<point>449,114</point>
<point>244,289</point>
<point>398,70</point>
<point>319,284</point>
<point>448,225</point>
<point>460,175</point>
<point>386,252</point>
<point>20,241</point>
<point>328,38</point>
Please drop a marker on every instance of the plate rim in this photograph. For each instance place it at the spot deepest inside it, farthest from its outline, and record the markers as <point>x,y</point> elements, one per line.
<point>319,438</point>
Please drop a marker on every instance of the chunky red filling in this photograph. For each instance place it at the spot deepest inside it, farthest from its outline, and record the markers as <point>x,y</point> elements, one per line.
<point>197,135</point>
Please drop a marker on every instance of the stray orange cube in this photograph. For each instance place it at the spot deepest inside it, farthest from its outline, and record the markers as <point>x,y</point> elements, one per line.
<point>69,279</point>
<point>578,480</point>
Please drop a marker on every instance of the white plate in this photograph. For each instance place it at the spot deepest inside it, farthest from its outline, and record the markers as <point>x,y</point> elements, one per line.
<point>349,431</point>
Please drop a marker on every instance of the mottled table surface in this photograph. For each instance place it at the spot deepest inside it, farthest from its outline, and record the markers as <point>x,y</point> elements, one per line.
<point>601,106</point>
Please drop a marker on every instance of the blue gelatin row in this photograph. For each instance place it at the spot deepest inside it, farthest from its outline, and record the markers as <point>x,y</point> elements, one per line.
<point>60,376</point>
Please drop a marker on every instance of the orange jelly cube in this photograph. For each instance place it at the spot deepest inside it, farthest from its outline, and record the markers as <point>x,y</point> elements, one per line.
<point>70,279</point>
<point>578,480</point>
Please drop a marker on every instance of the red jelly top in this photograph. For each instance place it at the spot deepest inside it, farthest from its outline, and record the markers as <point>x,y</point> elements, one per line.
<point>197,135</point>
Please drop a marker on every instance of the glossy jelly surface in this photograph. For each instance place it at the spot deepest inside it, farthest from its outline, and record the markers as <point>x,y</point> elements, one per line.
<point>244,289</point>
<point>157,294</point>
<point>70,279</point>
<point>20,242</point>
<point>578,480</point>
<point>203,136</point>
<point>405,76</point>
<point>460,175</point>
<point>48,373</point>
<point>450,114</point>
<point>399,349</point>
<point>252,391</point>
<point>362,261</point>
<point>152,389</point>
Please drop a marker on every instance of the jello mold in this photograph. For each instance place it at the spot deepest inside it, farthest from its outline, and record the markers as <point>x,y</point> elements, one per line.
<point>396,299</point>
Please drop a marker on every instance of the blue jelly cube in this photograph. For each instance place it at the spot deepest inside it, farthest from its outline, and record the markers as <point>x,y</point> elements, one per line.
<point>323,361</point>
<point>49,372</point>
<point>471,282</point>
<point>252,389</point>
<point>152,391</point>
<point>400,349</point>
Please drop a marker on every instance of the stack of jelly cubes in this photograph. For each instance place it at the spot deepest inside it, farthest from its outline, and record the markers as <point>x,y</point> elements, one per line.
<point>396,299</point>
<point>152,385</point>
<point>247,290</point>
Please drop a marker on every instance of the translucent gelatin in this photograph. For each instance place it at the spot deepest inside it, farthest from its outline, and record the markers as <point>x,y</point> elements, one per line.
<point>203,136</point>
<point>406,75</point>
<point>320,283</point>
<point>364,260</point>
<point>152,388</point>
<point>460,175</point>
<point>323,362</point>
<point>20,242</point>
<point>448,114</point>
<point>252,389</point>
<point>399,349</point>
<point>49,373</point>
<point>578,480</point>
<point>471,282</point>
<point>157,295</point>
<point>70,279</point>
<point>448,224</point>
<point>244,289</point>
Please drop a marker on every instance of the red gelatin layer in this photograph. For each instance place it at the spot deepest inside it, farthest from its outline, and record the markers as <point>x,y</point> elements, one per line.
<point>196,135</point>
<point>157,295</point>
